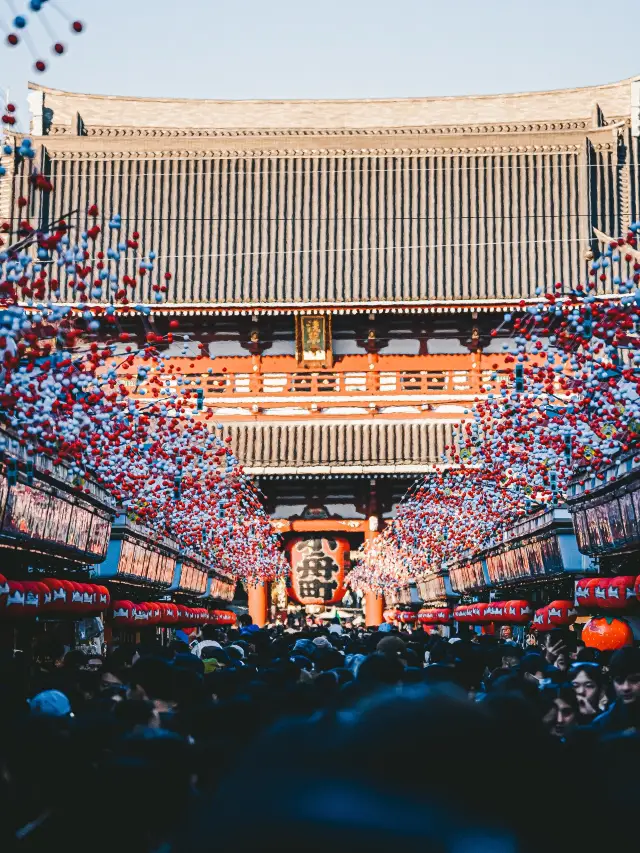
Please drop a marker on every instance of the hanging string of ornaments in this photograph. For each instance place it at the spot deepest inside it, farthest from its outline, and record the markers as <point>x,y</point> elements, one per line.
<point>566,406</point>
<point>62,391</point>
<point>23,18</point>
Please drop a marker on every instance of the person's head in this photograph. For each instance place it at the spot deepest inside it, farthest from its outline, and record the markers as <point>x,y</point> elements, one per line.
<point>134,713</point>
<point>588,682</point>
<point>624,669</point>
<point>245,620</point>
<point>511,656</point>
<point>380,669</point>
<point>532,666</point>
<point>109,679</point>
<point>559,710</point>
<point>392,646</point>
<point>151,678</point>
<point>75,660</point>
<point>93,663</point>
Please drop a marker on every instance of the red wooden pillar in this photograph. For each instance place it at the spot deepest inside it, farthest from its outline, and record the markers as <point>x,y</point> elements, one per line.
<point>258,604</point>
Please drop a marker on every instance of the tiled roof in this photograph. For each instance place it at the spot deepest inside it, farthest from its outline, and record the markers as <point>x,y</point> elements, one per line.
<point>333,448</point>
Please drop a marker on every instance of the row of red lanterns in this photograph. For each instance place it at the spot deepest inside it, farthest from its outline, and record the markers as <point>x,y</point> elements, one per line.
<point>616,593</point>
<point>555,615</point>
<point>504,612</point>
<point>162,613</point>
<point>20,599</point>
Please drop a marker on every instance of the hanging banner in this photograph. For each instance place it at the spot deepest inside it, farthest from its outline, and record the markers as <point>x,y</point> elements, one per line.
<point>318,568</point>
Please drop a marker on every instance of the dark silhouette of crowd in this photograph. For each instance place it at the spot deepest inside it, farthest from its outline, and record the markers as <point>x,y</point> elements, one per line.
<point>313,738</point>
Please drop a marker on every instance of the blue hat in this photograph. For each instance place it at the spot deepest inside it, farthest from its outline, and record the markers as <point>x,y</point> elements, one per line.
<point>50,703</point>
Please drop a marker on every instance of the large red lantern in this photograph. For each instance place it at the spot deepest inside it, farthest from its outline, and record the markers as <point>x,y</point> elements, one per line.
<point>541,621</point>
<point>14,601</point>
<point>561,613</point>
<point>620,592</point>
<point>169,613</point>
<point>141,614</point>
<point>406,617</point>
<point>58,594</point>
<point>4,589</point>
<point>77,597</point>
<point>222,617</point>
<point>104,597</point>
<point>495,610</point>
<point>318,568</point>
<point>32,599</point>
<point>460,614</point>
<point>122,612</point>
<point>517,612</point>
<point>585,595</point>
<point>435,616</point>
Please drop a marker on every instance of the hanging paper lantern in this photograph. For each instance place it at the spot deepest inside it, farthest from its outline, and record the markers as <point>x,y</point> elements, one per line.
<point>495,611</point>
<point>435,616</point>
<point>541,621</point>
<point>407,617</point>
<point>620,592</point>
<point>607,633</point>
<point>169,613</point>
<point>58,594</point>
<point>77,597</point>
<point>222,617</point>
<point>517,612</point>
<point>46,597</point>
<point>104,597</point>
<point>14,601</point>
<point>585,592</point>
<point>318,569</point>
<point>141,614</point>
<point>122,613</point>
<point>4,589</point>
<point>561,612</point>
<point>32,599</point>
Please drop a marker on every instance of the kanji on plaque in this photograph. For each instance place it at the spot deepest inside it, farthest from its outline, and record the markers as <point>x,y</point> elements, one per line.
<point>318,570</point>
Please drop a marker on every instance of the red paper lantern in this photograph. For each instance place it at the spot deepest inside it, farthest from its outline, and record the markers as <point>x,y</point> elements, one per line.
<point>600,586</point>
<point>4,589</point>
<point>141,614</point>
<point>435,616</point>
<point>77,597</point>
<point>122,612</point>
<point>495,610</point>
<point>620,592</point>
<point>541,621</point>
<point>318,569</point>
<point>517,612</point>
<point>58,595</point>
<point>561,613</point>
<point>585,595</point>
<point>14,601</point>
<point>104,597</point>
<point>32,599</point>
<point>460,613</point>
<point>169,613</point>
<point>407,617</point>
<point>46,596</point>
<point>222,617</point>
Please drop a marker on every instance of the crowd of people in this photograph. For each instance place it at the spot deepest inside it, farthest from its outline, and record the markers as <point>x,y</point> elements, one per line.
<point>302,737</point>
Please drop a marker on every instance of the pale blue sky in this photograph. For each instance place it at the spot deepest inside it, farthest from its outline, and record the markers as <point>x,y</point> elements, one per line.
<point>332,48</point>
